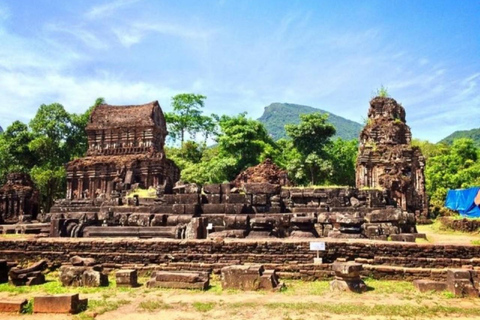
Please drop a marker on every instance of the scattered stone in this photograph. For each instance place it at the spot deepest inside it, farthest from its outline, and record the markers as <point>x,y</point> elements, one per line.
<point>460,283</point>
<point>425,285</point>
<point>250,277</point>
<point>62,303</point>
<point>404,237</point>
<point>126,278</point>
<point>79,261</point>
<point>12,306</point>
<point>347,277</point>
<point>179,280</point>
<point>28,276</point>
<point>72,276</point>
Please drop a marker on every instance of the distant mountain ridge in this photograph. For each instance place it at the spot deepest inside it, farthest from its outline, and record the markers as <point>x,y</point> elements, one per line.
<point>277,115</point>
<point>1,130</point>
<point>473,134</point>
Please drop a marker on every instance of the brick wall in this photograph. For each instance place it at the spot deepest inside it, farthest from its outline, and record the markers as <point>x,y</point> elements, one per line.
<point>293,259</point>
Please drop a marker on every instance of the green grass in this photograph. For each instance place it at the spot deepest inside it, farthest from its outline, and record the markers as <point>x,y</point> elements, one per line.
<point>104,305</point>
<point>384,287</point>
<point>204,306</point>
<point>152,305</point>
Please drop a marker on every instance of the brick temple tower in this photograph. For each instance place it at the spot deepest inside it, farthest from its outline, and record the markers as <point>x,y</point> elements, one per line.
<point>125,147</point>
<point>386,159</point>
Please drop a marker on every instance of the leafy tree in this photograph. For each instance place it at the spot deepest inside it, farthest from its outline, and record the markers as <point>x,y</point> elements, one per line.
<point>187,117</point>
<point>245,140</point>
<point>343,156</point>
<point>430,149</point>
<point>457,167</point>
<point>14,152</point>
<point>77,140</point>
<point>242,142</point>
<point>309,138</point>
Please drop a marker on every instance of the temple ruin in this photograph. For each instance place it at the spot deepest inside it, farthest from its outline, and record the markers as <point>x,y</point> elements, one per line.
<point>18,199</point>
<point>126,151</point>
<point>387,160</point>
<point>125,148</point>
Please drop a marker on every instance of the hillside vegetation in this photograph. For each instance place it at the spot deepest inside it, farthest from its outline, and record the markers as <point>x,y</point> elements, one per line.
<point>473,134</point>
<point>277,115</point>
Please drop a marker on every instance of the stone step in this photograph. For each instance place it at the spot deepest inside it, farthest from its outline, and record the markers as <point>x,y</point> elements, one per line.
<point>13,306</point>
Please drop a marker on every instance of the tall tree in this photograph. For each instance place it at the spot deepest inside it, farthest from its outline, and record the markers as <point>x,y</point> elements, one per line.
<point>187,117</point>
<point>309,138</point>
<point>77,141</point>
<point>343,156</point>
<point>245,140</point>
<point>14,152</point>
<point>458,167</point>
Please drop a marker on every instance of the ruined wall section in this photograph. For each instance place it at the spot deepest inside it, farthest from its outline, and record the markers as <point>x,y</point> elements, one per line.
<point>387,161</point>
<point>18,199</point>
<point>292,258</point>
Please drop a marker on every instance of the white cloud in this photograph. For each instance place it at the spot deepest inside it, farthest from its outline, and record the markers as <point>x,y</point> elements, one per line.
<point>76,94</point>
<point>88,38</point>
<point>108,8</point>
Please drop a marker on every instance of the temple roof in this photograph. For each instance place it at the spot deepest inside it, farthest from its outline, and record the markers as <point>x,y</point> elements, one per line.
<point>107,116</point>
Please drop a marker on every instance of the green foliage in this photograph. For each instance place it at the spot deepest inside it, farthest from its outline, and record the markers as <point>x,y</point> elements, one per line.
<point>242,142</point>
<point>245,140</point>
<point>277,115</point>
<point>343,156</point>
<point>451,168</point>
<point>473,134</point>
<point>382,92</point>
<point>52,138</point>
<point>15,156</point>
<point>309,138</point>
<point>187,117</point>
<point>28,308</point>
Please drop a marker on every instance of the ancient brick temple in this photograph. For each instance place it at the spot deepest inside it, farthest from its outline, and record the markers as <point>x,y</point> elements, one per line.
<point>386,159</point>
<point>18,199</point>
<point>125,148</point>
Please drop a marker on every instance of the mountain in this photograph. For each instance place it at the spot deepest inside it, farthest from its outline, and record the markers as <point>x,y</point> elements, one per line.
<point>473,134</point>
<point>1,130</point>
<point>277,115</point>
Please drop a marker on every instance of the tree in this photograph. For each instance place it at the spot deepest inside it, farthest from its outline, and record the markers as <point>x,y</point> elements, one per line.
<point>343,156</point>
<point>77,141</point>
<point>457,167</point>
<point>187,117</point>
<point>15,156</point>
<point>245,140</point>
<point>309,138</point>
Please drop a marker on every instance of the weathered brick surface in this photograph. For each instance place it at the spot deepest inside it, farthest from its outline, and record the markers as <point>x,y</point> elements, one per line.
<point>292,258</point>
<point>63,303</point>
<point>12,306</point>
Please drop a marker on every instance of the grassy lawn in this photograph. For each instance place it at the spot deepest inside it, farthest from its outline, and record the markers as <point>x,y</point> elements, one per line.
<point>300,298</point>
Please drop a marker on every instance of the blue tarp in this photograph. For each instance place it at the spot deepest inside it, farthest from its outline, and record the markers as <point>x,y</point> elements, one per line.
<point>462,200</point>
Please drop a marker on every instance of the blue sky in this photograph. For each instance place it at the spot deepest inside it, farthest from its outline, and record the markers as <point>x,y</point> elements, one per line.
<point>244,55</point>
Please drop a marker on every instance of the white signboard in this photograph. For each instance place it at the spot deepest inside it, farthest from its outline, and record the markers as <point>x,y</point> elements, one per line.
<point>210,226</point>
<point>317,246</point>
